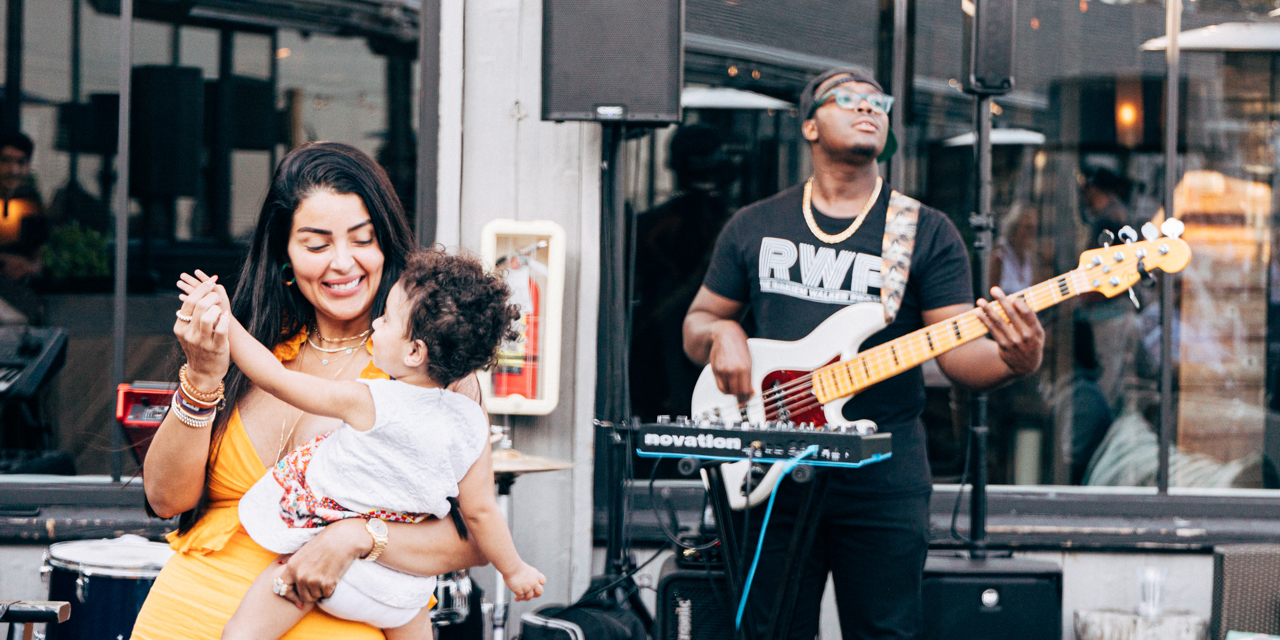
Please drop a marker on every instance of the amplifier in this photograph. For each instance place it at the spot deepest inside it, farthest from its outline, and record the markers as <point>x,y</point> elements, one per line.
<point>693,603</point>
<point>991,599</point>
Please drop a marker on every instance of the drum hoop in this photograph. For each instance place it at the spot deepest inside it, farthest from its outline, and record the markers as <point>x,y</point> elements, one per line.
<point>105,572</point>
<point>89,569</point>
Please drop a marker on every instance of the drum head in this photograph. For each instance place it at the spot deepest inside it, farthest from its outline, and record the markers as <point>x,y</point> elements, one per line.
<point>128,555</point>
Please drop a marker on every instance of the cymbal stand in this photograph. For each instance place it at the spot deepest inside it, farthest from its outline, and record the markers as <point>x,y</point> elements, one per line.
<point>504,482</point>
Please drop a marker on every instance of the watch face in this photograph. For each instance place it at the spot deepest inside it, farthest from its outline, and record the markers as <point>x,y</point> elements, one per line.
<point>377,527</point>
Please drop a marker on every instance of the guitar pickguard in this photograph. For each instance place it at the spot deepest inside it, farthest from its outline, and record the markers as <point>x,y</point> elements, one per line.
<point>805,408</point>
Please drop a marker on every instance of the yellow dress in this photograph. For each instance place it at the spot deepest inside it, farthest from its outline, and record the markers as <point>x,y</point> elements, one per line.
<point>216,561</point>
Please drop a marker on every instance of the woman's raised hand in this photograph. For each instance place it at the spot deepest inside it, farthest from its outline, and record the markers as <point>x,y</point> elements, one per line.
<point>201,328</point>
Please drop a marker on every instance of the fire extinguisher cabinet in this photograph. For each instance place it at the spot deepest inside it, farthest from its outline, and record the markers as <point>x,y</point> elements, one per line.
<point>530,255</point>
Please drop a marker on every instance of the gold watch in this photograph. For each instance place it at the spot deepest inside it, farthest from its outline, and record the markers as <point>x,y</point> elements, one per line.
<point>378,529</point>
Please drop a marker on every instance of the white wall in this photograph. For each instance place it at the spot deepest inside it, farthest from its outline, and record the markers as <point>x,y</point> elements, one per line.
<point>515,166</point>
<point>20,573</point>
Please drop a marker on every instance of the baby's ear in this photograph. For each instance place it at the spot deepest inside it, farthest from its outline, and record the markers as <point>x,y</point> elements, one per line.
<point>417,356</point>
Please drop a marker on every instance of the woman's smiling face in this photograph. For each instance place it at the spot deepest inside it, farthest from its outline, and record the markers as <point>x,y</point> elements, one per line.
<point>335,255</point>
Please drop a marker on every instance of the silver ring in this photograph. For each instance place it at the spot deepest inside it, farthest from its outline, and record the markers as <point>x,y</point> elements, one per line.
<point>182,317</point>
<point>280,588</point>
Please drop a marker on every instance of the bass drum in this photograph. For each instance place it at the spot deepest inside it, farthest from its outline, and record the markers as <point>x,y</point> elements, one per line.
<point>105,581</point>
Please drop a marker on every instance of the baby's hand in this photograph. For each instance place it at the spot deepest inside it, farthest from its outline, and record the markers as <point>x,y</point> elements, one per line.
<point>188,283</point>
<point>526,583</point>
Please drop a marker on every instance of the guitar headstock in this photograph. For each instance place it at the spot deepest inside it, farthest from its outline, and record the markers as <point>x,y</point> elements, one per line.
<point>1112,270</point>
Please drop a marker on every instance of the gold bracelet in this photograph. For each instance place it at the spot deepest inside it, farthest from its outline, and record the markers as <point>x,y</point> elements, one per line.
<point>197,395</point>
<point>185,418</point>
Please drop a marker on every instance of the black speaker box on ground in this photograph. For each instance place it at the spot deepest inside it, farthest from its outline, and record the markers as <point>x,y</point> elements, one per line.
<point>988,45</point>
<point>693,604</point>
<point>612,60</point>
<point>992,599</point>
<point>166,131</point>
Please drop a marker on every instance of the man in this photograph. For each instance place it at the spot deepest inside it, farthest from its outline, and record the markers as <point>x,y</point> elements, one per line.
<point>873,533</point>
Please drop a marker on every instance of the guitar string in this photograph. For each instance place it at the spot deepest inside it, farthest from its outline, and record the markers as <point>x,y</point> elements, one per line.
<point>876,354</point>
<point>876,357</point>
<point>910,343</point>
<point>776,398</point>
<point>804,404</point>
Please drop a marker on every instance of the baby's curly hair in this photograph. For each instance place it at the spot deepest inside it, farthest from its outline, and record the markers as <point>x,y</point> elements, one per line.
<point>458,310</point>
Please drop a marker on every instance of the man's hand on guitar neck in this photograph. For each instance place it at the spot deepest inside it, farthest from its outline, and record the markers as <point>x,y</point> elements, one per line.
<point>1015,348</point>
<point>712,335</point>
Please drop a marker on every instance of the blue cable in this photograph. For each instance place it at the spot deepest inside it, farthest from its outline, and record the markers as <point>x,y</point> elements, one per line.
<point>746,589</point>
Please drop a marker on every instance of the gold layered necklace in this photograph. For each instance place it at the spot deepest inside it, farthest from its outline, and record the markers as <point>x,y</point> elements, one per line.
<point>348,350</point>
<point>853,228</point>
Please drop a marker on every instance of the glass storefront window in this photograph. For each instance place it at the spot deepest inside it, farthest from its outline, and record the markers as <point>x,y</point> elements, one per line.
<point>315,86</point>
<point>1225,195</point>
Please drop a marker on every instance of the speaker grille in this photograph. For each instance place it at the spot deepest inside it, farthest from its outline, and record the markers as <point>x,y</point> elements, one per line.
<point>602,55</point>
<point>694,605</point>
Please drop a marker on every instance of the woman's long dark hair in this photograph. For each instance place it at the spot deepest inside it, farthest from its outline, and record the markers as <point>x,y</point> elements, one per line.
<point>274,312</point>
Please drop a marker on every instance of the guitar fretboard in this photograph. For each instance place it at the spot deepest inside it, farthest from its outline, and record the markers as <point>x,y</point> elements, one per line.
<point>881,362</point>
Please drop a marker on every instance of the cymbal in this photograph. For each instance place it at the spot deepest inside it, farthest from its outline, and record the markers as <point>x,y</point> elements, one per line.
<point>510,461</point>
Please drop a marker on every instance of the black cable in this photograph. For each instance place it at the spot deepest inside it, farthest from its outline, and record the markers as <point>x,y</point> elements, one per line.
<point>653,505</point>
<point>964,477</point>
<point>624,577</point>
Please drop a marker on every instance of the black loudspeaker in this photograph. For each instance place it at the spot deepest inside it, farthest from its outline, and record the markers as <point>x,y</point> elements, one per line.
<point>693,604</point>
<point>166,131</point>
<point>254,121</point>
<point>988,45</point>
<point>993,599</point>
<point>89,127</point>
<point>612,60</point>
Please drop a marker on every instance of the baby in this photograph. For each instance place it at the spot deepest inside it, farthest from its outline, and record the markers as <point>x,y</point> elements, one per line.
<point>407,447</point>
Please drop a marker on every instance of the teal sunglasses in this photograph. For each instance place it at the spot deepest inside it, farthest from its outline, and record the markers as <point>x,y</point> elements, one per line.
<point>846,99</point>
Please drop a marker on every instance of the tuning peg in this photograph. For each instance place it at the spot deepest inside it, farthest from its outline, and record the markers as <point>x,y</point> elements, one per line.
<point>1150,232</point>
<point>1106,238</point>
<point>1172,227</point>
<point>1128,234</point>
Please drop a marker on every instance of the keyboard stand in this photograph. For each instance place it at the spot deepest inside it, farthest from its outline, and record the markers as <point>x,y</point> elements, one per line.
<point>801,544</point>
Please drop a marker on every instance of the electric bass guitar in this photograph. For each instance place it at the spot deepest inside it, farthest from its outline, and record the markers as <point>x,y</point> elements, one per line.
<point>808,381</point>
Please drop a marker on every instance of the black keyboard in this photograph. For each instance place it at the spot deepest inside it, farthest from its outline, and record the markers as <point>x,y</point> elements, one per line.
<point>29,357</point>
<point>772,443</point>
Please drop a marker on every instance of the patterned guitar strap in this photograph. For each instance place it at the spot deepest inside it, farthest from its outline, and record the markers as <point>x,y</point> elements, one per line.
<point>895,253</point>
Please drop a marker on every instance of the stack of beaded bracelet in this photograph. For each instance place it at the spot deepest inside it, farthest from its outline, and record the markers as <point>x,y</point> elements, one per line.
<point>192,407</point>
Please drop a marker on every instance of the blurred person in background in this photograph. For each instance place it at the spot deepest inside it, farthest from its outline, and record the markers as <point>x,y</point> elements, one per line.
<point>673,248</point>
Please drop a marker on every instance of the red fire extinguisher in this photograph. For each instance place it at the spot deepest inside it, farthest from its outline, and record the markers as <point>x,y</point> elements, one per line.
<point>516,373</point>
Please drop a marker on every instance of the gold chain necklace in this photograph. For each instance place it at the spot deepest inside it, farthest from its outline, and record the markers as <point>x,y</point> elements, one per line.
<point>853,228</point>
<point>356,337</point>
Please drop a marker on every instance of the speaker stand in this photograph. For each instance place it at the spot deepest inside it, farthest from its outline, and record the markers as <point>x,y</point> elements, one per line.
<point>983,224</point>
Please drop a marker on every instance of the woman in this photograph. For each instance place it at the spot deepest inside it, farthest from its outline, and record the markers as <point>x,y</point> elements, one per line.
<point>331,241</point>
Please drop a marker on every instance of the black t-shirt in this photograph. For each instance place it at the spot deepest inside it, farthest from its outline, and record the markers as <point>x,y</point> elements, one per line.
<point>767,257</point>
